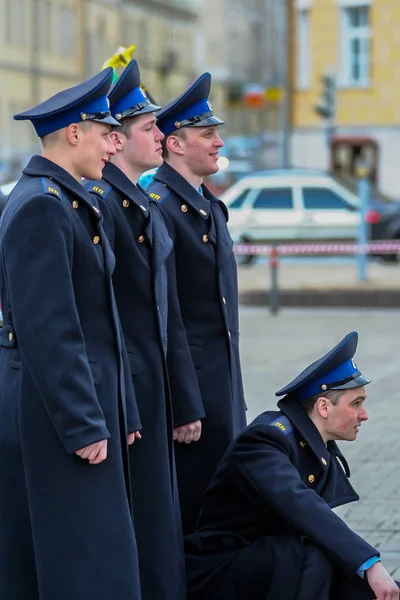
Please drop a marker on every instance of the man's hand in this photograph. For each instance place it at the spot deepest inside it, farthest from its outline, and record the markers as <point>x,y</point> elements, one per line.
<point>381,583</point>
<point>133,436</point>
<point>188,433</point>
<point>95,453</point>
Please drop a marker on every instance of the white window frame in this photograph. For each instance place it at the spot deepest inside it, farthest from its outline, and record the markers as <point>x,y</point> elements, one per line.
<point>347,35</point>
<point>303,49</point>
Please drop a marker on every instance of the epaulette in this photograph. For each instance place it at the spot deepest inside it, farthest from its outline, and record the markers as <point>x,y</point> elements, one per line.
<point>51,187</point>
<point>101,188</point>
<point>158,191</point>
<point>283,424</point>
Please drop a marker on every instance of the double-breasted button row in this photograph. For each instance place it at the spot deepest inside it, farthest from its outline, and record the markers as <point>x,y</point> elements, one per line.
<point>311,478</point>
<point>184,208</point>
<point>125,203</point>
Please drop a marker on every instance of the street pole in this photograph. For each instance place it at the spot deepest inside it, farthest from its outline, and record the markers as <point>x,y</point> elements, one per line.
<point>363,194</point>
<point>284,60</point>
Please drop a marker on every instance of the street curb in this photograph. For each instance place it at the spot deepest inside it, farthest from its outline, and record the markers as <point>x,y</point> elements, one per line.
<point>381,298</point>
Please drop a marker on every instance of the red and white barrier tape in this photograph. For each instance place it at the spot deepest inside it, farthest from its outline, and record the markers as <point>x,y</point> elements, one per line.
<point>381,247</point>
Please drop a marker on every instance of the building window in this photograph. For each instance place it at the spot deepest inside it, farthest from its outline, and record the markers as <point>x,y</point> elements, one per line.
<point>15,19</point>
<point>46,26</point>
<point>68,32</point>
<point>355,47</point>
<point>303,49</point>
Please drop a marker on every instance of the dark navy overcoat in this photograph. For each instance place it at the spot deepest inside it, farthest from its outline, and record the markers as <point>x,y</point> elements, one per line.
<point>66,527</point>
<point>274,489</point>
<point>142,249</point>
<point>208,295</point>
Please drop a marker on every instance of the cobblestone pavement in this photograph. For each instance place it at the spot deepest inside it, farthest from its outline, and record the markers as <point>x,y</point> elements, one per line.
<point>274,349</point>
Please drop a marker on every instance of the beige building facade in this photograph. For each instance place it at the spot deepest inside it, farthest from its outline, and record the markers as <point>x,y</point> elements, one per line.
<point>359,42</point>
<point>48,45</point>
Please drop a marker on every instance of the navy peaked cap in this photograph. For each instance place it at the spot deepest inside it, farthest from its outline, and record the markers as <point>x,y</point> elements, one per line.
<point>127,99</point>
<point>191,109</point>
<point>86,101</point>
<point>336,370</point>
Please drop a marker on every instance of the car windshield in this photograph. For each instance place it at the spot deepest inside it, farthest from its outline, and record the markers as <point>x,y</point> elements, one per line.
<point>351,185</point>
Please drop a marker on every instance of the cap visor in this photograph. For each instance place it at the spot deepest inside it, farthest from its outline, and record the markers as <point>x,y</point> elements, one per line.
<point>207,122</point>
<point>108,121</point>
<point>353,383</point>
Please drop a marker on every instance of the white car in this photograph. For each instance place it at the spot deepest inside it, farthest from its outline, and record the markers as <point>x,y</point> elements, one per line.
<point>291,205</point>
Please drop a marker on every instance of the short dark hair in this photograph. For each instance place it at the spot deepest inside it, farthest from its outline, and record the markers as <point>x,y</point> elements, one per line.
<point>179,133</point>
<point>50,139</point>
<point>332,395</point>
<point>125,125</point>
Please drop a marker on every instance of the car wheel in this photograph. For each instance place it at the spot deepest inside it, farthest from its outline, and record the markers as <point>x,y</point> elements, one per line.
<point>389,258</point>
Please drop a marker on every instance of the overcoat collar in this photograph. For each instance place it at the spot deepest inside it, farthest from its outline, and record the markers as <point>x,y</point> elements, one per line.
<point>120,182</point>
<point>189,195</point>
<point>39,166</point>
<point>302,422</point>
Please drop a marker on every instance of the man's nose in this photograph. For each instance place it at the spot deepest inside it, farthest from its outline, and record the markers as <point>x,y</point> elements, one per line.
<point>363,415</point>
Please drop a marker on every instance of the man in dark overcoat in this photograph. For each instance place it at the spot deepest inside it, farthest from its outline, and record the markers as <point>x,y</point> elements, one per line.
<point>66,406</point>
<point>152,327</point>
<point>207,283</point>
<point>267,530</point>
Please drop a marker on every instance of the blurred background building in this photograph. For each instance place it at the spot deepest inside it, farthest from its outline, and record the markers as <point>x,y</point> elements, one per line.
<point>47,45</point>
<point>305,83</point>
<point>355,44</point>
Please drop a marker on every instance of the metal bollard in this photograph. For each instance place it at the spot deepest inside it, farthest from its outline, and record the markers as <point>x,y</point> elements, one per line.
<point>363,194</point>
<point>274,291</point>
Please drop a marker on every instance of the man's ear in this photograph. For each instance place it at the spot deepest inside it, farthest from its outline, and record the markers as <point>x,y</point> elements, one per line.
<point>117,139</point>
<point>322,406</point>
<point>174,144</point>
<point>73,133</point>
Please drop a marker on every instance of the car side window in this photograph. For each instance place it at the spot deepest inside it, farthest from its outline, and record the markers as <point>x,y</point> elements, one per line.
<point>238,202</point>
<point>323,199</point>
<point>274,199</point>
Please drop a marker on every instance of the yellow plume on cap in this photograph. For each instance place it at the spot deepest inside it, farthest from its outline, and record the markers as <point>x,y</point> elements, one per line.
<point>121,58</point>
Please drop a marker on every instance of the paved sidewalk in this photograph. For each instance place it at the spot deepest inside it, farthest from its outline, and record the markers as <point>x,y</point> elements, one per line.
<point>276,348</point>
<point>321,282</point>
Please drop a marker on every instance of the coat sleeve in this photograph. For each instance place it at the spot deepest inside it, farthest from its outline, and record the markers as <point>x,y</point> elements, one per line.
<point>266,476</point>
<point>37,252</point>
<point>187,404</point>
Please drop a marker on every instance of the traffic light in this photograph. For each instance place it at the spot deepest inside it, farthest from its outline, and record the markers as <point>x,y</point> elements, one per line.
<point>326,107</point>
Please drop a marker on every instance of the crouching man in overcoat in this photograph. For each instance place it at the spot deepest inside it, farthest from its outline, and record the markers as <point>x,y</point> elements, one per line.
<point>67,404</point>
<point>266,530</point>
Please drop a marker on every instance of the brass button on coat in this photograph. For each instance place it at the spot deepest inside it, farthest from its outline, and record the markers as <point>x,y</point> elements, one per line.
<point>324,461</point>
<point>75,204</point>
<point>303,443</point>
<point>96,239</point>
<point>203,212</point>
<point>125,203</point>
<point>10,336</point>
<point>205,238</point>
<point>141,239</point>
<point>184,208</point>
<point>311,478</point>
